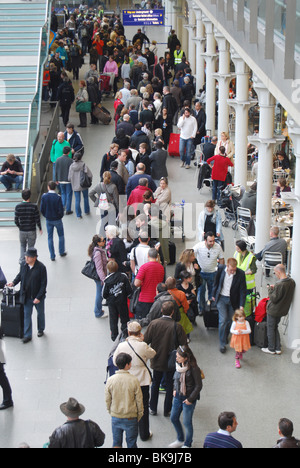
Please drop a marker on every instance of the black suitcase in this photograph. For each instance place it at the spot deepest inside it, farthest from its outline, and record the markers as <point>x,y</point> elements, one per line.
<point>172,253</point>
<point>12,314</point>
<point>251,321</point>
<point>260,334</point>
<point>211,316</point>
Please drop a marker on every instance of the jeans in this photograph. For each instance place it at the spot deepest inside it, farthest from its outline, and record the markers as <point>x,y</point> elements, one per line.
<point>98,302</point>
<point>216,189</point>
<point>129,426</point>
<point>188,411</point>
<point>185,150</point>
<point>40,308</point>
<point>226,313</point>
<point>85,194</point>
<point>274,343</point>
<point>208,279</point>
<point>66,196</point>
<point>27,240</point>
<point>61,237</point>
<point>7,180</point>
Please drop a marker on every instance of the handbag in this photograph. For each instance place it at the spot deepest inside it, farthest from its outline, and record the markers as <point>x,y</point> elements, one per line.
<point>83,107</point>
<point>89,270</point>
<point>140,359</point>
<point>134,300</point>
<point>85,180</point>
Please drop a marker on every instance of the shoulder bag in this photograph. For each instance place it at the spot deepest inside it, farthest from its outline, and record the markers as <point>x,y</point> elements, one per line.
<point>140,359</point>
<point>85,180</point>
<point>89,270</point>
<point>83,107</point>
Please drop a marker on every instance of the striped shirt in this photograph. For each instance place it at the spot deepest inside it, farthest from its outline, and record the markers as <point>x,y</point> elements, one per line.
<point>221,440</point>
<point>27,217</point>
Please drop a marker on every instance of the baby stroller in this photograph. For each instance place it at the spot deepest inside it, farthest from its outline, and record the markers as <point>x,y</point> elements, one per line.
<point>229,202</point>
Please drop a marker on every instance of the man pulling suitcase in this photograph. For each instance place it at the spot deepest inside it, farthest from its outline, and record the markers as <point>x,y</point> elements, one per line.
<point>33,279</point>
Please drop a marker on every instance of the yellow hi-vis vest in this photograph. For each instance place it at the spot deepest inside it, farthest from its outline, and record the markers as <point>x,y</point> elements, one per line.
<point>245,265</point>
<point>178,57</point>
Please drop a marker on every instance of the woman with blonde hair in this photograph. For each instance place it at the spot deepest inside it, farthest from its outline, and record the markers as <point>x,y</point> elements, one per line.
<point>82,96</point>
<point>188,262</point>
<point>228,145</point>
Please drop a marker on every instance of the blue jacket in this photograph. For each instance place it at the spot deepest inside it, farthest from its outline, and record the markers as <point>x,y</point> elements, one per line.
<point>51,206</point>
<point>75,141</point>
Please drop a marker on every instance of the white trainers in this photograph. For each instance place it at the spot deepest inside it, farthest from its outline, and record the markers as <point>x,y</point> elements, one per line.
<point>182,164</point>
<point>267,351</point>
<point>187,166</point>
<point>176,444</point>
<point>279,352</point>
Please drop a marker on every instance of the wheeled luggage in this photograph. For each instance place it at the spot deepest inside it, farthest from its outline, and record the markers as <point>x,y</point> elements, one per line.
<point>260,334</point>
<point>102,114</point>
<point>105,83</point>
<point>173,148</point>
<point>12,314</point>
<point>172,253</point>
<point>211,316</point>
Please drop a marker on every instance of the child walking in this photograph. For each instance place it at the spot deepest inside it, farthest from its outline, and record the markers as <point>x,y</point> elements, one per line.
<point>240,340</point>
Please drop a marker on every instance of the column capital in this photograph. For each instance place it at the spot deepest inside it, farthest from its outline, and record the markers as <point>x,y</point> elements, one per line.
<point>241,67</point>
<point>223,44</point>
<point>268,142</point>
<point>245,104</point>
<point>265,98</point>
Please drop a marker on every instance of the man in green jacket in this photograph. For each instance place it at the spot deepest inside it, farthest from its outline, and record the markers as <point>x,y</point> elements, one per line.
<point>281,296</point>
<point>57,150</point>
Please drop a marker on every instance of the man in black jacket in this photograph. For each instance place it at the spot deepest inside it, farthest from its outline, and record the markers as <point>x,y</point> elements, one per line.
<point>33,279</point>
<point>76,433</point>
<point>229,293</point>
<point>27,217</point>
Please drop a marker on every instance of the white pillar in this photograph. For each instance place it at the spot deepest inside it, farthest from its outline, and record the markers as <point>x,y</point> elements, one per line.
<point>210,58</point>
<point>294,316</point>
<point>191,28</point>
<point>241,104</point>
<point>200,47</point>
<point>265,142</point>
<point>224,77</point>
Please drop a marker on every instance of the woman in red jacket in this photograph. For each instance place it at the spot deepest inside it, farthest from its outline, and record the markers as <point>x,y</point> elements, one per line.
<point>219,171</point>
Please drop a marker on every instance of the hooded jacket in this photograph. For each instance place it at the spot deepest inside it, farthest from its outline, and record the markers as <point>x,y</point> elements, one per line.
<point>116,288</point>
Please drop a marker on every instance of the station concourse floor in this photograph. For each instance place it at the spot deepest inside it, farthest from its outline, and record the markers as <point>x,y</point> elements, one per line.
<point>70,360</point>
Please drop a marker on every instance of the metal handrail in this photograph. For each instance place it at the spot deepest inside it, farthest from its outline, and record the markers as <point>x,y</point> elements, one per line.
<point>28,145</point>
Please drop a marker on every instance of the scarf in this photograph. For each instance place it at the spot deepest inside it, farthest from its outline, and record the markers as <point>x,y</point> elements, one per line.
<point>182,371</point>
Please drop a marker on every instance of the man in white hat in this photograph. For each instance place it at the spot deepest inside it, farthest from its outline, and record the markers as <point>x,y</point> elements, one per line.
<point>76,433</point>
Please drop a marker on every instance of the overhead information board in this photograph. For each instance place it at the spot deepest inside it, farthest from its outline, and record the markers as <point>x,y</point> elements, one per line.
<point>143,17</point>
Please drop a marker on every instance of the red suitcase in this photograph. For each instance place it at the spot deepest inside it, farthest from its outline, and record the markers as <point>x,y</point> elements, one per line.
<point>104,83</point>
<point>174,145</point>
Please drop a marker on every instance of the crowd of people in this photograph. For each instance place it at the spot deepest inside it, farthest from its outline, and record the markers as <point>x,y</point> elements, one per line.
<point>132,249</point>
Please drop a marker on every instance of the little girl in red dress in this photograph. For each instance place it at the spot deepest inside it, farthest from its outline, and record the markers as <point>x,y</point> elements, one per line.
<point>240,340</point>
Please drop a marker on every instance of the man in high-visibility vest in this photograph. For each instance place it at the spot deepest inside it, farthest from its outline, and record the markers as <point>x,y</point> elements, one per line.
<point>178,55</point>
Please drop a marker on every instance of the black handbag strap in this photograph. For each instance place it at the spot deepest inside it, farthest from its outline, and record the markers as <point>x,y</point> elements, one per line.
<point>140,359</point>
